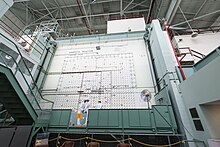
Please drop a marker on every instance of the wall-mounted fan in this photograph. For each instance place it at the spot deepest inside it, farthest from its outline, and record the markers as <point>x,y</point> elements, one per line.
<point>146,97</point>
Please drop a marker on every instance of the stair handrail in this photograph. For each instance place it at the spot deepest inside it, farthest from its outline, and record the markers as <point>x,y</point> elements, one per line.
<point>22,58</point>
<point>21,74</point>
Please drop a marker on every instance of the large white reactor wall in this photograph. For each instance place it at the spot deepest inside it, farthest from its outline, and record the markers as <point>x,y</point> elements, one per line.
<point>114,72</point>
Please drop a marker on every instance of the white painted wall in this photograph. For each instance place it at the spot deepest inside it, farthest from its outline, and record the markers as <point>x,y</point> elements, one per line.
<point>198,91</point>
<point>123,25</point>
<point>203,43</point>
<point>211,112</point>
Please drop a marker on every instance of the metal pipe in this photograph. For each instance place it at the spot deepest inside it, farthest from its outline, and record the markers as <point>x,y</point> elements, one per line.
<point>200,8</point>
<point>180,67</point>
<point>154,67</point>
<point>128,5</point>
<point>41,66</point>
<point>149,17</point>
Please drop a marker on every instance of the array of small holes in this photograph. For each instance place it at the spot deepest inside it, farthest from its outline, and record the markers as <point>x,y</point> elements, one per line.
<point>109,77</point>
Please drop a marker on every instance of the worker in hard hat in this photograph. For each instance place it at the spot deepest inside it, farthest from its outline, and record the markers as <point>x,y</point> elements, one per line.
<point>99,105</point>
<point>87,105</point>
<point>82,106</point>
<point>86,109</point>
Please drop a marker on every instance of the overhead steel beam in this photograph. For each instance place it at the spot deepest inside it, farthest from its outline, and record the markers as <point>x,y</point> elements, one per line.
<point>185,18</point>
<point>18,1</point>
<point>128,5</point>
<point>41,18</point>
<point>47,10</point>
<point>95,15</point>
<point>138,4</point>
<point>149,15</point>
<point>34,10</point>
<point>27,9</point>
<point>75,5</point>
<point>174,4</point>
<point>61,11</point>
<point>121,7</point>
<point>104,14</point>
<point>87,18</point>
<point>160,7</point>
<point>202,16</point>
<point>203,4</point>
<point>26,15</point>
<point>78,29</point>
<point>145,6</point>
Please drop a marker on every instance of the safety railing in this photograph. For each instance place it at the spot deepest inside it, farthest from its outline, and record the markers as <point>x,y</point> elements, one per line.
<point>41,106</point>
<point>33,93</point>
<point>183,52</point>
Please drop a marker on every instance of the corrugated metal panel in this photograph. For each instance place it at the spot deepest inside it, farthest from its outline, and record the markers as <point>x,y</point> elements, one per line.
<point>60,118</point>
<point>157,119</point>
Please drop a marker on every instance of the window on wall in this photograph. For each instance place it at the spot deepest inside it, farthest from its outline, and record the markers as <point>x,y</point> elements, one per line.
<point>196,120</point>
<point>198,125</point>
<point>194,113</point>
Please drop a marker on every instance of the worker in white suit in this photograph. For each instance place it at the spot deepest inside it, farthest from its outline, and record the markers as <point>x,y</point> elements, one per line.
<point>82,106</point>
<point>87,106</point>
<point>99,105</point>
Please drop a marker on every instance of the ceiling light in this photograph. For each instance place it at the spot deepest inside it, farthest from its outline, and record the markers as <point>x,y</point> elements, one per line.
<point>194,34</point>
<point>8,57</point>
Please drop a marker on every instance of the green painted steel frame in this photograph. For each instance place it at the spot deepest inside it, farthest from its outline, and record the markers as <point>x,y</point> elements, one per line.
<point>158,120</point>
<point>19,91</point>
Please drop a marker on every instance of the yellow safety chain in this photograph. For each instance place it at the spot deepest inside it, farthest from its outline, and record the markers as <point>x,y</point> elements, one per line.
<point>53,139</point>
<point>107,141</point>
<point>74,139</point>
<point>150,145</point>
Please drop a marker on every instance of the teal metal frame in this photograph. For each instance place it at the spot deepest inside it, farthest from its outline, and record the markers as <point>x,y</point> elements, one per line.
<point>158,120</point>
<point>40,115</point>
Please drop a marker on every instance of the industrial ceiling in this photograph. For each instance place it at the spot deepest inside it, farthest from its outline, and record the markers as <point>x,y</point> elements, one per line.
<point>84,17</point>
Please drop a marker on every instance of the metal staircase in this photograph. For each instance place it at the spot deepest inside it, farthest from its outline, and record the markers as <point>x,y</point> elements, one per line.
<point>22,113</point>
<point>19,93</point>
